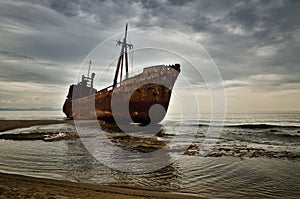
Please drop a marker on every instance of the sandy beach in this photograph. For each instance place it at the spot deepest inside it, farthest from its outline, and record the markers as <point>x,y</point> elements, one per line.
<point>62,168</point>
<point>18,186</point>
<point>13,124</point>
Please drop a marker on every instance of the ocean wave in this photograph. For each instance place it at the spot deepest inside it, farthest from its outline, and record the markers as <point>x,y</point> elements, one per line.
<point>281,135</point>
<point>250,126</point>
<point>242,152</point>
<point>262,126</point>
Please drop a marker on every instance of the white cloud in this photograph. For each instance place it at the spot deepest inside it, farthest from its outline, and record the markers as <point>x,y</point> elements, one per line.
<point>266,51</point>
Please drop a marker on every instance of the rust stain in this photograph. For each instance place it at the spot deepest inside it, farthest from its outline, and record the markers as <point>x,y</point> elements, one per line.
<point>84,102</point>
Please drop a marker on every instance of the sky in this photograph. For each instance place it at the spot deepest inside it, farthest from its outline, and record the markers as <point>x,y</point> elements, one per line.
<point>254,44</point>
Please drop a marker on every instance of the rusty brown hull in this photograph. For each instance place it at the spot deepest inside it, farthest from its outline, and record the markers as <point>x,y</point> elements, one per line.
<point>135,95</point>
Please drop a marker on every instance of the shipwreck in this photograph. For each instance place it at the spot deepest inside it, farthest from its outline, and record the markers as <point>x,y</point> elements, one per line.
<point>153,86</point>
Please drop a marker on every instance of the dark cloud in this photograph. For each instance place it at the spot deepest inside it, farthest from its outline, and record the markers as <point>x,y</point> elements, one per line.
<point>37,72</point>
<point>179,2</point>
<point>256,37</point>
<point>68,8</point>
<point>14,55</point>
<point>44,41</point>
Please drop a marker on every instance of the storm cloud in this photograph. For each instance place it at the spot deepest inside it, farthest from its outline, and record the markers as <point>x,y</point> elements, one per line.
<point>255,44</point>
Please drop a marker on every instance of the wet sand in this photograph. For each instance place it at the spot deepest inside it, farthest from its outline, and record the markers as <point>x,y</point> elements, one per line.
<point>18,186</point>
<point>13,124</point>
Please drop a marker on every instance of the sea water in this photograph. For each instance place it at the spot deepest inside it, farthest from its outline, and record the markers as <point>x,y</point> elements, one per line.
<point>273,173</point>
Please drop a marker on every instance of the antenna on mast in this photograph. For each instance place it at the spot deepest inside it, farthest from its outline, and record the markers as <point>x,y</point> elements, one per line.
<point>89,68</point>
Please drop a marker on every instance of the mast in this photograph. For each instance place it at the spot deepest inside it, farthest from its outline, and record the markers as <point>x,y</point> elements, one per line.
<point>88,75</point>
<point>122,58</point>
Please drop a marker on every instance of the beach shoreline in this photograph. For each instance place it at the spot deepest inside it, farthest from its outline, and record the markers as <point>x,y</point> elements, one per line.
<point>244,154</point>
<point>19,186</point>
<point>6,125</point>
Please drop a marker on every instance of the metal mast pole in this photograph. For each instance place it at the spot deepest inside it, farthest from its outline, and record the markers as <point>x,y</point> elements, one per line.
<point>121,58</point>
<point>126,57</point>
<point>89,68</point>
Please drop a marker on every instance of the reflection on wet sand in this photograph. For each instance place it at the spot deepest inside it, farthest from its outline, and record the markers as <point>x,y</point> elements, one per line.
<point>82,165</point>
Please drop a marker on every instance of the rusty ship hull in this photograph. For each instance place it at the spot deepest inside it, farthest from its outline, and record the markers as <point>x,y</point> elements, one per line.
<point>139,93</point>
<point>129,99</point>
